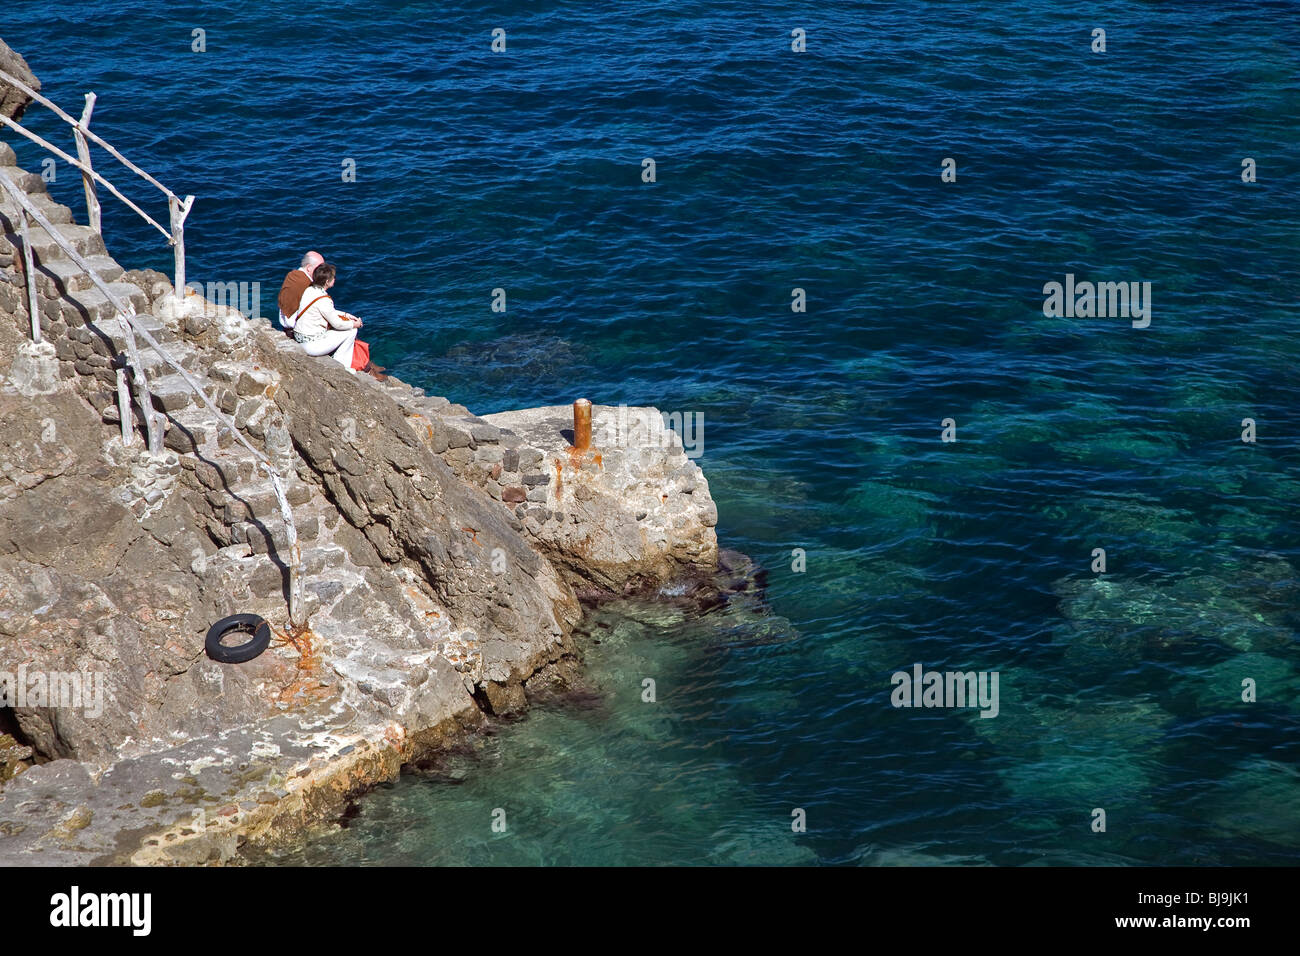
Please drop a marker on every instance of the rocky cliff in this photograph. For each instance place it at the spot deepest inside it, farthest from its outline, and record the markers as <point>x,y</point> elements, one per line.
<point>446,558</point>
<point>14,101</point>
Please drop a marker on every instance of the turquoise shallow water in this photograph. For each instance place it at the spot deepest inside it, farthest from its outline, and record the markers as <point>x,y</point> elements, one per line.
<point>822,430</point>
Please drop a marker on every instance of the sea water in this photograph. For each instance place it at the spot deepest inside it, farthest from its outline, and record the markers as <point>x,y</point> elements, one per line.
<point>433,171</point>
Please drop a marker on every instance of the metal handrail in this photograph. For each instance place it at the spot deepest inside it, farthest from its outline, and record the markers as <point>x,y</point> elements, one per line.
<point>178,208</point>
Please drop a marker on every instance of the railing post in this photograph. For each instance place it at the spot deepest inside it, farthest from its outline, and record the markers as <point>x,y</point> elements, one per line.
<point>295,550</point>
<point>125,313</point>
<point>83,153</point>
<point>179,211</point>
<point>152,429</point>
<point>124,408</point>
<point>29,266</point>
<point>78,164</point>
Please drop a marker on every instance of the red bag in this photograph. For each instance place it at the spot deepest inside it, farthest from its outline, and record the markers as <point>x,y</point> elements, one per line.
<point>360,355</point>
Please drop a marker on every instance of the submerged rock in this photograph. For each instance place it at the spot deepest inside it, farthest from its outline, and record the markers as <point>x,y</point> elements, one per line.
<point>1067,752</point>
<point>1259,800</point>
<point>1132,618</point>
<point>1220,687</point>
<point>872,855</point>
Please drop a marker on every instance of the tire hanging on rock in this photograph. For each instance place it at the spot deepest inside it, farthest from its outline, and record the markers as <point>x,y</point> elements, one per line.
<point>251,624</point>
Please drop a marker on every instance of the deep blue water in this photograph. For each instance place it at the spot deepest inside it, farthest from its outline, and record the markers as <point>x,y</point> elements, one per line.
<point>819,170</point>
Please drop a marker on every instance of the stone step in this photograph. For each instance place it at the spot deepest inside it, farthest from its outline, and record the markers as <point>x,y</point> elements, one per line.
<point>229,468</point>
<point>195,429</point>
<point>53,211</point>
<point>91,305</point>
<point>243,507</point>
<point>256,498</point>
<point>58,277</point>
<point>171,392</point>
<point>316,559</point>
<point>44,249</point>
<point>30,183</point>
<point>268,580</point>
<point>160,333</point>
<point>190,358</point>
<point>95,345</point>
<point>268,532</point>
<point>247,381</point>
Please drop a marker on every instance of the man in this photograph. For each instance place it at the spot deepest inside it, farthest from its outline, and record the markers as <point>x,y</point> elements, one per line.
<point>291,290</point>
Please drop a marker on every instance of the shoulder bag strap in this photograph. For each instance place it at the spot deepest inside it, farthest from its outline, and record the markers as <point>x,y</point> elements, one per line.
<point>308,306</point>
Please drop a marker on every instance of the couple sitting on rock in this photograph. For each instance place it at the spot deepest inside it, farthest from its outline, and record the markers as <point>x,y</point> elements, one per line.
<point>308,313</point>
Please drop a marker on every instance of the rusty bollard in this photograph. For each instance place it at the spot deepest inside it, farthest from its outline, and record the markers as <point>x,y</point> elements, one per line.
<point>582,424</point>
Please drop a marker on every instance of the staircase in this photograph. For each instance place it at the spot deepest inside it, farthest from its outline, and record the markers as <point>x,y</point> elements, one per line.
<point>68,298</point>
<point>231,497</point>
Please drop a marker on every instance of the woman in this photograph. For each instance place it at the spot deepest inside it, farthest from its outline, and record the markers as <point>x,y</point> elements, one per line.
<point>320,328</point>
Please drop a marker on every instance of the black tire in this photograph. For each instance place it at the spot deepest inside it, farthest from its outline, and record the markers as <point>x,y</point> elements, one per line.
<point>240,653</point>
